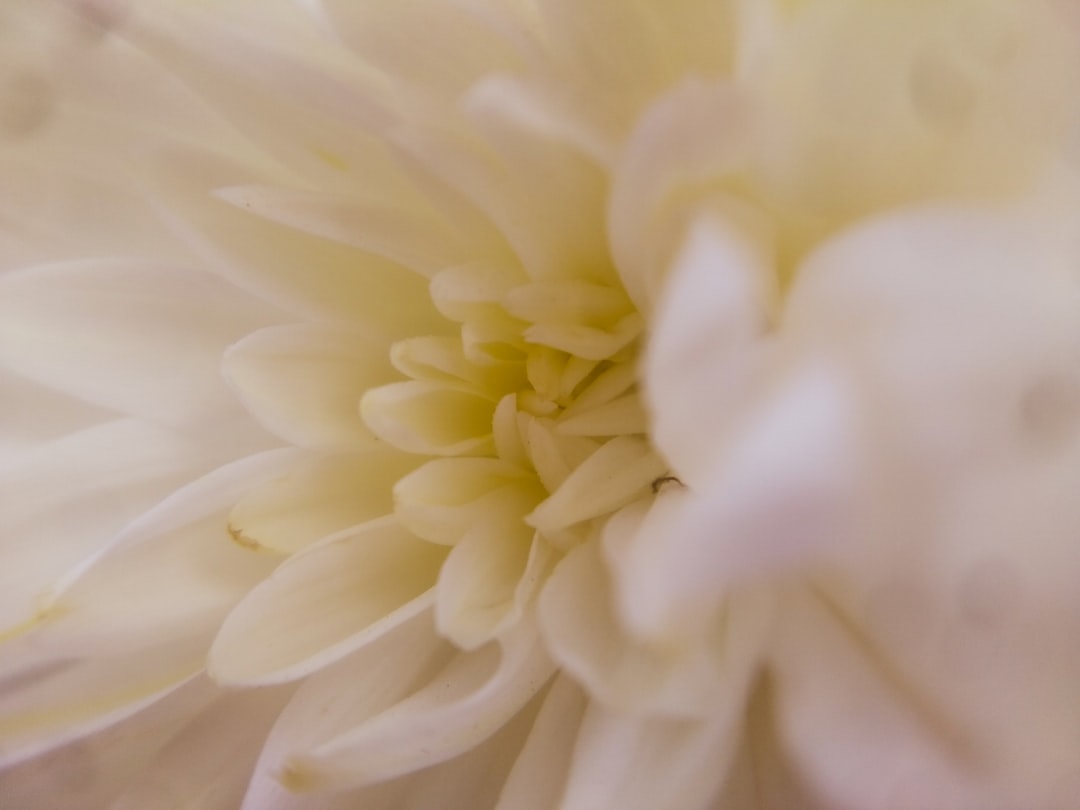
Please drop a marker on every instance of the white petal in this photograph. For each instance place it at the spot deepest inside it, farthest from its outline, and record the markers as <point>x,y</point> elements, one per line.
<point>487,579</point>
<point>304,274</point>
<point>787,490</point>
<point>606,85</point>
<point>134,622</point>
<point>306,106</point>
<point>89,773</point>
<point>304,382</point>
<point>443,499</point>
<point>539,775</point>
<point>857,731</point>
<point>412,237</point>
<point>100,605</point>
<point>637,763</point>
<point>208,764</point>
<point>464,704</point>
<point>56,703</point>
<point>343,695</point>
<point>322,497</point>
<point>138,337</point>
<point>64,501</point>
<point>674,677</point>
<point>696,134</point>
<point>31,415</point>
<point>614,475</point>
<point>430,418</point>
<point>441,47</point>
<point>616,418</point>
<point>706,342</point>
<point>326,602</point>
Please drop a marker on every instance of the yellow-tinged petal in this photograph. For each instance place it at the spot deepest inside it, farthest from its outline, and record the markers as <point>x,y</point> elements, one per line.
<point>326,602</point>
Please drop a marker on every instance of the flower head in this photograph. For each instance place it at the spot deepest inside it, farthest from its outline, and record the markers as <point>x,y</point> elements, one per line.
<point>540,404</point>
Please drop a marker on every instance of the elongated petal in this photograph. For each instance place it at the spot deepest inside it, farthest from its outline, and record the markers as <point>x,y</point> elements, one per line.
<point>412,237</point>
<point>539,775</point>
<point>325,603</point>
<point>445,498</point>
<point>32,415</point>
<point>323,496</point>
<point>639,763</point>
<point>208,764</point>
<point>91,772</point>
<point>345,694</point>
<point>109,643</point>
<point>304,382</point>
<point>305,274</point>
<point>431,418</point>
<point>488,578</point>
<point>96,480</point>
<point>139,337</point>
<point>614,475</point>
<point>462,705</point>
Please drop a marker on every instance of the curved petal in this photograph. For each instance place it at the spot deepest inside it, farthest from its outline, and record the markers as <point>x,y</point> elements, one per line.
<point>325,495</point>
<point>434,419</point>
<point>208,763</point>
<point>97,479</point>
<point>90,772</point>
<point>672,676</point>
<point>303,382</point>
<point>135,336</point>
<point>443,499</point>
<point>304,274</point>
<point>640,763</point>
<point>707,343</point>
<point>538,778</point>
<point>345,694</point>
<point>466,702</point>
<point>326,602</point>
<point>488,578</point>
<point>353,691</point>
<point>698,132</point>
<point>32,415</point>
<point>616,474</point>
<point>786,490</point>
<point>133,621</point>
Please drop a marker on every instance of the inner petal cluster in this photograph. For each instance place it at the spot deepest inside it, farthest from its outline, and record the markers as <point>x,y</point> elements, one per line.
<point>533,417</point>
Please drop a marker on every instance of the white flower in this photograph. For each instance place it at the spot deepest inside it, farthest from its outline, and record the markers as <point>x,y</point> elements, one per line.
<point>569,403</point>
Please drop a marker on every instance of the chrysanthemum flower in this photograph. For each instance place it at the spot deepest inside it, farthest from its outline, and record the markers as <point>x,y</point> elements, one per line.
<point>540,404</point>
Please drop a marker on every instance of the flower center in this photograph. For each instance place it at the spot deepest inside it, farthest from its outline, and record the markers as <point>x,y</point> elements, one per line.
<point>533,407</point>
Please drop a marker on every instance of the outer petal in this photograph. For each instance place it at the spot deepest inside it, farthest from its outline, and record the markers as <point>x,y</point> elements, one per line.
<point>90,773</point>
<point>135,336</point>
<point>304,382</point>
<point>306,274</point>
<point>64,501</point>
<point>465,703</point>
<point>540,772</point>
<point>326,495</point>
<point>110,642</point>
<point>208,764</point>
<point>325,603</point>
